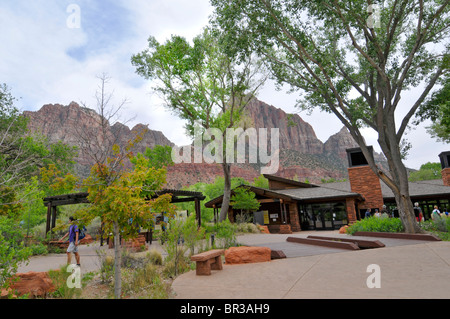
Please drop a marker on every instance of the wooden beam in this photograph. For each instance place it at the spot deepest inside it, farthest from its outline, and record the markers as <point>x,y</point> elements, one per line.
<point>268,200</point>
<point>62,202</point>
<point>181,200</point>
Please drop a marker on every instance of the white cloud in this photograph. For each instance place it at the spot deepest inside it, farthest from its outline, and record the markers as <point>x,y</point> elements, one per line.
<point>44,61</point>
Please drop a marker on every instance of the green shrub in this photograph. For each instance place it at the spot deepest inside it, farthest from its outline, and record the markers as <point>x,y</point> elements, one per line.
<point>376,224</point>
<point>39,249</point>
<point>225,234</point>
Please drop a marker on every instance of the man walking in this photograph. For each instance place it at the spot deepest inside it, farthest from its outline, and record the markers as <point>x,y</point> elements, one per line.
<point>73,242</point>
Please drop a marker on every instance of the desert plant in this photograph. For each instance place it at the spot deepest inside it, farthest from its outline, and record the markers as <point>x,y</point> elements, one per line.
<point>192,234</point>
<point>441,223</point>
<point>106,266</point>
<point>155,257</point>
<point>247,228</point>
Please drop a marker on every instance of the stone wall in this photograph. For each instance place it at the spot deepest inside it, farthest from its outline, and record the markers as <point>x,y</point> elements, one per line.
<point>365,182</point>
<point>446,176</point>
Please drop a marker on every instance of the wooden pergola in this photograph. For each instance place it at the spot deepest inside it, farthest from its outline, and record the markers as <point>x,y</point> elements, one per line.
<point>178,196</point>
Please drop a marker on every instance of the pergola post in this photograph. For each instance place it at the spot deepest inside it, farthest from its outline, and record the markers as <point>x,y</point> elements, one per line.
<point>53,216</point>
<point>49,211</point>
<point>198,214</point>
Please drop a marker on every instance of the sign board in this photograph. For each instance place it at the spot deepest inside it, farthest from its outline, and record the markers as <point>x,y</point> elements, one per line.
<point>266,217</point>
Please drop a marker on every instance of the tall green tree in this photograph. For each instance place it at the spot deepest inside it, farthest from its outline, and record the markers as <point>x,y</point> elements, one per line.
<point>355,59</point>
<point>158,156</point>
<point>244,199</point>
<point>427,171</point>
<point>12,249</point>
<point>437,109</point>
<point>202,85</point>
<point>23,155</point>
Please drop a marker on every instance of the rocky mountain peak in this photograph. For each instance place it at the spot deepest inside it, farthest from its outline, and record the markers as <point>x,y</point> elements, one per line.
<point>302,155</point>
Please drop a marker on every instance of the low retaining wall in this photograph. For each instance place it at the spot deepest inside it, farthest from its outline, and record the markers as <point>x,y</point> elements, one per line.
<point>427,237</point>
<point>325,243</point>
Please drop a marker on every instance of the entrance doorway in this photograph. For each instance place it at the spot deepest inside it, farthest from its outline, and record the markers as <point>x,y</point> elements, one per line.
<point>323,216</point>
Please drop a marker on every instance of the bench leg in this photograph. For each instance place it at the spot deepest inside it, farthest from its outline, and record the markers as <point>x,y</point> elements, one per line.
<point>203,268</point>
<point>217,263</point>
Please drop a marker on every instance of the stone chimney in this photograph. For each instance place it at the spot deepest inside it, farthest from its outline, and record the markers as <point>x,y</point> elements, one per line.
<point>445,164</point>
<point>364,181</point>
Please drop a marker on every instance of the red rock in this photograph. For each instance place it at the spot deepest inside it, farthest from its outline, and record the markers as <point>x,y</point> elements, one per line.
<point>87,240</point>
<point>244,255</point>
<point>7,293</point>
<point>35,284</point>
<point>264,229</point>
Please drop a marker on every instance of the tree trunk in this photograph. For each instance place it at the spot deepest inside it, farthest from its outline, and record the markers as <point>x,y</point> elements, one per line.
<point>403,199</point>
<point>406,213</point>
<point>117,262</point>
<point>226,192</point>
<point>398,181</point>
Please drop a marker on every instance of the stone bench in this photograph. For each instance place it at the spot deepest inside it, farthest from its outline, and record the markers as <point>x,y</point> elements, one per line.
<point>207,261</point>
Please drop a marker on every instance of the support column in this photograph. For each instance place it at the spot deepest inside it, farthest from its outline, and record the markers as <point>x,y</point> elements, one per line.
<point>351,211</point>
<point>294,217</point>
<point>197,212</point>
<point>53,217</point>
<point>49,212</point>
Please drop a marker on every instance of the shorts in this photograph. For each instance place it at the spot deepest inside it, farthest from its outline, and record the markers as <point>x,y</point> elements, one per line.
<point>72,248</point>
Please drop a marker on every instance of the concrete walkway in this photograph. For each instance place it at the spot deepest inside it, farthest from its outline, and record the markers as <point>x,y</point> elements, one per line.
<point>408,269</point>
<point>89,254</point>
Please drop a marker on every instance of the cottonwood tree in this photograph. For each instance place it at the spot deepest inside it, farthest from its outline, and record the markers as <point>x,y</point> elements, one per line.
<point>355,59</point>
<point>202,85</point>
<point>437,109</point>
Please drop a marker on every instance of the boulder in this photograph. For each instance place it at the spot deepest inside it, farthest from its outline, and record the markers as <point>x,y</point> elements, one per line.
<point>35,284</point>
<point>7,293</point>
<point>245,254</point>
<point>264,229</point>
<point>87,240</point>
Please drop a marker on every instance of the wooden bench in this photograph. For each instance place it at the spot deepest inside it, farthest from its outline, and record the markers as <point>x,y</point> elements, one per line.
<point>208,260</point>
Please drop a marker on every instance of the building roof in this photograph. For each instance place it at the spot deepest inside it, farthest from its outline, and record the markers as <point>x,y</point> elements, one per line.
<point>319,193</point>
<point>428,188</point>
<point>257,190</point>
<point>342,190</point>
<point>287,181</point>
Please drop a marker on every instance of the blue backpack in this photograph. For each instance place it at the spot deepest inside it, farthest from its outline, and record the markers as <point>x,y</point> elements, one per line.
<point>81,232</point>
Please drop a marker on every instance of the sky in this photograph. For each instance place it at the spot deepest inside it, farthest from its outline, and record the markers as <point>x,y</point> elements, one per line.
<point>52,52</point>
